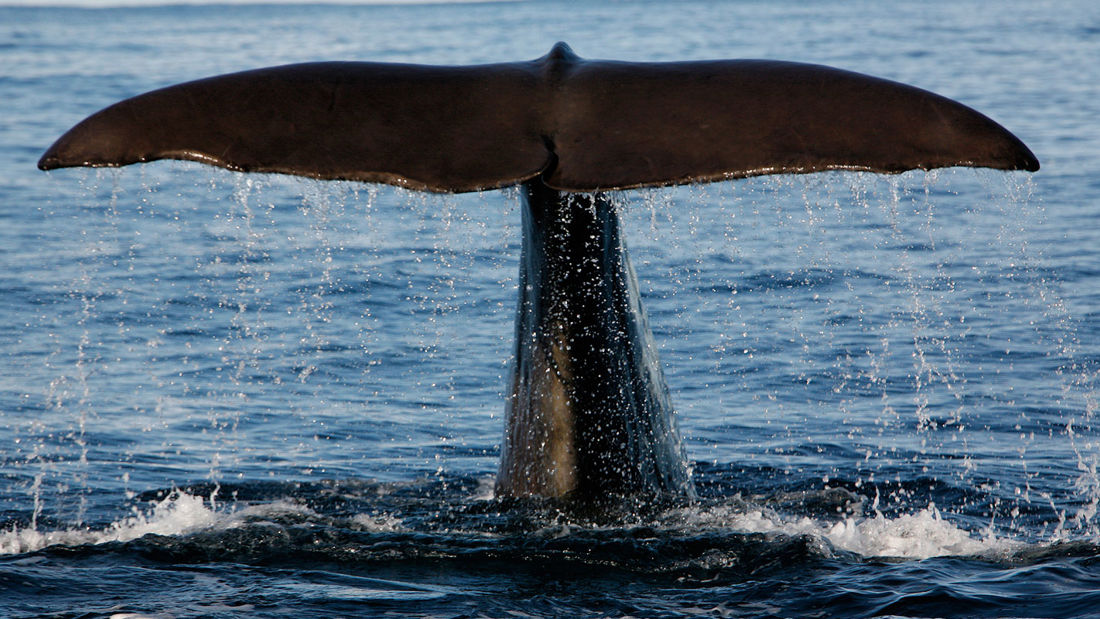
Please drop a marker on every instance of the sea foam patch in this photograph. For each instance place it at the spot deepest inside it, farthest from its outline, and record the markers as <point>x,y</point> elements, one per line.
<point>919,535</point>
<point>913,536</point>
<point>178,514</point>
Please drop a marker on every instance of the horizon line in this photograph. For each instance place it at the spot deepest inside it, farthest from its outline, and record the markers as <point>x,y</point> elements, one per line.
<point>116,4</point>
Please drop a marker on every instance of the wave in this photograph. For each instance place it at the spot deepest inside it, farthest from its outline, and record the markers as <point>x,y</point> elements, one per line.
<point>111,4</point>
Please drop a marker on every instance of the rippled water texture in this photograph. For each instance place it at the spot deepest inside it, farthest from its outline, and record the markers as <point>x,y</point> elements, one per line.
<point>261,396</point>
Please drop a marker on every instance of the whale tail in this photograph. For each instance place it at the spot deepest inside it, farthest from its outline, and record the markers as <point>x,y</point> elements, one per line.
<point>589,414</point>
<point>580,125</point>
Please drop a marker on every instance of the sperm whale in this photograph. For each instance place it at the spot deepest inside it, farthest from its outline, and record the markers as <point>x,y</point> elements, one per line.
<point>589,413</point>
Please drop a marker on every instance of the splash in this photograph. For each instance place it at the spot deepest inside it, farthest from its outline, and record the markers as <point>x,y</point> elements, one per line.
<point>920,535</point>
<point>178,514</point>
<point>175,515</point>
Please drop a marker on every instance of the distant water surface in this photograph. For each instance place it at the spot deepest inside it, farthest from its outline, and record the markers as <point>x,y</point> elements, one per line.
<point>231,396</point>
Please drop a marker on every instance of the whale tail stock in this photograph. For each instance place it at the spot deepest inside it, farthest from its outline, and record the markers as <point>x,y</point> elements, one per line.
<point>589,412</point>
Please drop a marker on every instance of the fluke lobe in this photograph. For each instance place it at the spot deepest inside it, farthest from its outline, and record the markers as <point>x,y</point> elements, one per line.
<point>589,413</point>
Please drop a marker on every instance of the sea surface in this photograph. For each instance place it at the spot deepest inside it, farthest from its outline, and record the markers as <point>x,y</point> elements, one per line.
<point>259,396</point>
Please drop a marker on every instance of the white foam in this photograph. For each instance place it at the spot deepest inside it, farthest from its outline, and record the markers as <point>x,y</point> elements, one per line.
<point>178,514</point>
<point>912,536</point>
<point>383,523</point>
<point>921,535</point>
<point>486,488</point>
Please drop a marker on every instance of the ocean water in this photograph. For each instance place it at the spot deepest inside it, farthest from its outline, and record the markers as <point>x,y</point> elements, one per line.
<point>259,396</point>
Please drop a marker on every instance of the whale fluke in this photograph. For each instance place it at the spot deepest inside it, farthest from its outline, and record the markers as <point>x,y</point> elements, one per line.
<point>581,125</point>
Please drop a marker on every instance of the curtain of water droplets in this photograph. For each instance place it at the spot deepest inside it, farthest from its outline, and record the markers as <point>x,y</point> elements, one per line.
<point>865,327</point>
<point>851,326</point>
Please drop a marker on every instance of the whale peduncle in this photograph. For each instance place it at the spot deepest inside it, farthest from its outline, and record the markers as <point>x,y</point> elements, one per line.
<point>589,415</point>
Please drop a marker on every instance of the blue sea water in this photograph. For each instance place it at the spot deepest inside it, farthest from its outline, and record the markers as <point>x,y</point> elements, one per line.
<point>259,396</point>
